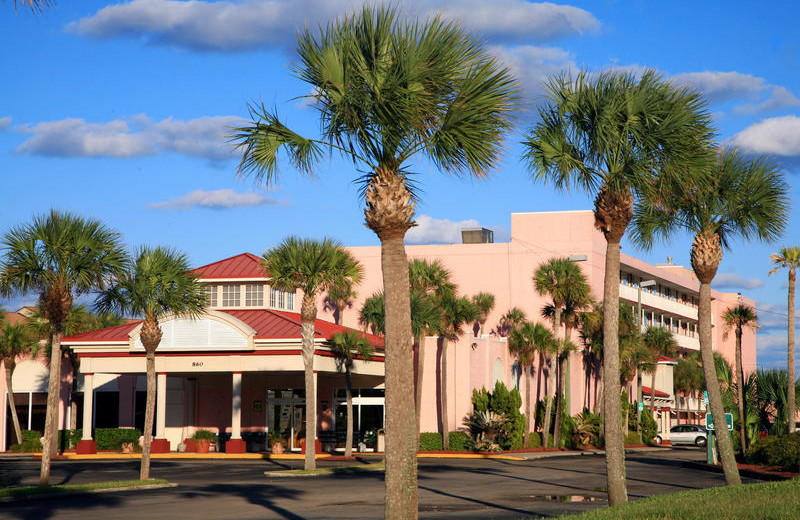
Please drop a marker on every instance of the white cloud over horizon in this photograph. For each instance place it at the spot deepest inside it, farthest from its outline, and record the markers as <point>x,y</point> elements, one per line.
<point>778,136</point>
<point>431,230</point>
<point>228,26</point>
<point>724,86</point>
<point>735,281</point>
<point>214,199</point>
<point>139,136</point>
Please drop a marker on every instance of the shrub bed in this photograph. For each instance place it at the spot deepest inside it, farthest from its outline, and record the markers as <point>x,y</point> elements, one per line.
<point>781,450</point>
<point>31,442</point>
<point>111,439</point>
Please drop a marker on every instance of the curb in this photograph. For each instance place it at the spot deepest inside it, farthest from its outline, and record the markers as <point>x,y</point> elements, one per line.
<point>62,494</point>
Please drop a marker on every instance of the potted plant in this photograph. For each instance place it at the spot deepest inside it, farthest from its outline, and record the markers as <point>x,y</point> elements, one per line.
<point>276,441</point>
<point>203,440</point>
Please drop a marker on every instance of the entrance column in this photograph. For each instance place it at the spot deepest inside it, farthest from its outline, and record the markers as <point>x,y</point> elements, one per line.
<point>236,444</point>
<point>160,444</point>
<point>87,445</point>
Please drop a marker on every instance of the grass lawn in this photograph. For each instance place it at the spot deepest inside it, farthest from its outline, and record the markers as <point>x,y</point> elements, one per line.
<point>23,491</point>
<point>767,501</point>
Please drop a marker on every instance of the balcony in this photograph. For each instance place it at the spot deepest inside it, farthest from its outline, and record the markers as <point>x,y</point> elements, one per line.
<point>687,342</point>
<point>630,293</point>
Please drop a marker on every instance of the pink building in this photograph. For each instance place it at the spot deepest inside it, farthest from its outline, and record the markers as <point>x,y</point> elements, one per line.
<point>238,370</point>
<point>506,270</point>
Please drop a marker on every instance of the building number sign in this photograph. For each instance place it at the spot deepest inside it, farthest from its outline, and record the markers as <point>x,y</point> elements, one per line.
<point>197,364</point>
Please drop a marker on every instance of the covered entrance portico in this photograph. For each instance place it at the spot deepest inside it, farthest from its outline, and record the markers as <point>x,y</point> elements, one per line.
<point>224,373</point>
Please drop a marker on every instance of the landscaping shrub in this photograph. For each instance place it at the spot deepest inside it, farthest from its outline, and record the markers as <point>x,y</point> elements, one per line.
<point>534,440</point>
<point>459,441</point>
<point>111,439</point>
<point>782,450</point>
<point>31,441</point>
<point>430,441</point>
<point>649,427</point>
<point>502,402</point>
<point>68,439</point>
<point>587,430</point>
<point>633,438</point>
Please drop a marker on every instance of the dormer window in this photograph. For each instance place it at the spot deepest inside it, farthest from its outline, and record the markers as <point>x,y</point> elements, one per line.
<point>231,295</point>
<point>254,295</point>
<point>281,299</point>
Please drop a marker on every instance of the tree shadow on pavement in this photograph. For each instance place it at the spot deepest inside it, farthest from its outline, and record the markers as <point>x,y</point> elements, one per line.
<point>42,508</point>
<point>256,494</point>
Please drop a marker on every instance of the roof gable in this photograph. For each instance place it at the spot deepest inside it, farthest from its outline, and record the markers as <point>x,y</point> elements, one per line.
<point>245,265</point>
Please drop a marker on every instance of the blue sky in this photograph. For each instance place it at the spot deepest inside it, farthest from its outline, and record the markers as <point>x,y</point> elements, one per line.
<point>119,111</point>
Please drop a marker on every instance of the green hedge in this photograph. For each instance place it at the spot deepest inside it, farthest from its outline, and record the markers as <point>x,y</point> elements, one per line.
<point>781,450</point>
<point>430,441</point>
<point>111,439</point>
<point>68,439</point>
<point>460,441</point>
<point>30,442</point>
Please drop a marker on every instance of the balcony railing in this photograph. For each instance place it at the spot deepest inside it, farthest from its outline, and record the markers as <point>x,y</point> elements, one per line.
<point>649,299</point>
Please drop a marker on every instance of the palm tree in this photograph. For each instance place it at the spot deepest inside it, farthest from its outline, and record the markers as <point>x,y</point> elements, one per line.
<point>563,281</point>
<point>660,342</point>
<point>789,258</point>
<point>347,348</point>
<point>484,302</point>
<point>424,319</point>
<point>512,319</point>
<point>387,90</point>
<point>606,133</point>
<point>688,378</point>
<point>525,342</point>
<point>339,298</point>
<point>737,318</point>
<point>737,196</point>
<point>34,5</point>
<point>312,266</point>
<point>156,284</point>
<point>15,340</point>
<point>455,312</point>
<point>59,256</point>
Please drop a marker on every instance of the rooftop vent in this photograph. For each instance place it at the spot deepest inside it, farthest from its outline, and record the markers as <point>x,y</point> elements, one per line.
<point>477,236</point>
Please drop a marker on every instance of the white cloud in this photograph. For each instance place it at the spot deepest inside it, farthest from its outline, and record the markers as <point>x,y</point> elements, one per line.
<point>534,64</point>
<point>5,122</point>
<point>720,87</point>
<point>776,135</point>
<point>735,281</point>
<point>431,230</point>
<point>228,26</point>
<point>771,350</point>
<point>138,136</point>
<point>215,199</point>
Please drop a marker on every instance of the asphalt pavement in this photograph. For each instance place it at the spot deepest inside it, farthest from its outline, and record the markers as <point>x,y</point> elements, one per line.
<point>449,488</point>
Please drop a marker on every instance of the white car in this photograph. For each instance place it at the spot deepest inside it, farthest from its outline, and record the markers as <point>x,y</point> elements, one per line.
<point>686,434</point>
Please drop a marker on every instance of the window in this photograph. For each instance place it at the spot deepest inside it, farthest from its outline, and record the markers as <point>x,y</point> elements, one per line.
<point>230,295</point>
<point>211,295</point>
<point>281,299</point>
<point>254,295</point>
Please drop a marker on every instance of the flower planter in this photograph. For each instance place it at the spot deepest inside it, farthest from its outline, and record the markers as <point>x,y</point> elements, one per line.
<point>202,445</point>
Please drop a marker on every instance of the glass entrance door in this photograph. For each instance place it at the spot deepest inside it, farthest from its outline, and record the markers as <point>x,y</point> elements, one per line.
<point>286,413</point>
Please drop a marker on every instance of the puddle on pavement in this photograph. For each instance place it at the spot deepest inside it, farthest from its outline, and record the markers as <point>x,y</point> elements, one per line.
<point>566,498</point>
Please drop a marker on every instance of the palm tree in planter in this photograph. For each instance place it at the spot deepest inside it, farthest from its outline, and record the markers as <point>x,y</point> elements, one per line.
<point>15,340</point>
<point>455,312</point>
<point>789,258</point>
<point>484,302</point>
<point>59,256</point>
<point>525,342</point>
<point>606,134</point>
<point>347,348</point>
<point>736,197</point>
<point>313,266</point>
<point>388,89</point>
<point>157,284</point>
<point>737,318</point>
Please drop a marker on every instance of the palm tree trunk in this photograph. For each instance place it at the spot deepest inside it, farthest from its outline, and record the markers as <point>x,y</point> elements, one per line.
<point>445,415</point>
<point>11,404</point>
<point>562,391</point>
<point>612,408</point>
<point>149,413</point>
<point>53,393</point>
<point>528,381</point>
<point>401,501</point>
<point>712,384</point>
<point>653,392</point>
<point>790,394</point>
<point>740,389</point>
<point>308,313</point>
<point>420,365</point>
<point>348,379</point>
<point>550,396</point>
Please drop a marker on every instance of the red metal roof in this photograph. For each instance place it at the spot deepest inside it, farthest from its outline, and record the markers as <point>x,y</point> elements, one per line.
<point>659,393</point>
<point>666,359</point>
<point>245,265</point>
<point>267,323</point>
